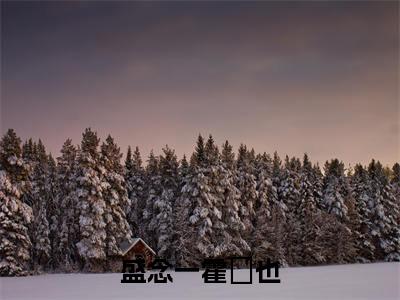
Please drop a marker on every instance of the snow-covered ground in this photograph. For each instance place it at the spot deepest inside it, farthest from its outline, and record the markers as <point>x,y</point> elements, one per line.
<point>370,281</point>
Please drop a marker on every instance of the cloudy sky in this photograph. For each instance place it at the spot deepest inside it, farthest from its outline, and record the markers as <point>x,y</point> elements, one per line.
<point>316,77</point>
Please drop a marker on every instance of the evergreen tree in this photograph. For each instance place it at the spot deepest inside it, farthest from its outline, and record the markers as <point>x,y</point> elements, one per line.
<point>263,206</point>
<point>335,189</point>
<point>384,212</point>
<point>15,215</point>
<point>361,217</point>
<point>41,194</point>
<point>66,251</point>
<point>28,151</point>
<point>90,186</point>
<point>395,182</point>
<point>289,189</point>
<point>11,159</point>
<point>308,216</point>
<point>196,209</point>
<point>228,225</point>
<point>181,215</point>
<point>135,180</point>
<point>184,169</point>
<point>53,210</point>
<point>247,185</point>
<point>163,208</point>
<point>154,190</point>
<point>115,197</point>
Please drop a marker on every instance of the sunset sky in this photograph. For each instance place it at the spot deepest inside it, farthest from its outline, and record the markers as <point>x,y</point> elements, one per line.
<point>295,77</point>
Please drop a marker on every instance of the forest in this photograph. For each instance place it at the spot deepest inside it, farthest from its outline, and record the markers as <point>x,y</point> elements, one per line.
<point>70,213</point>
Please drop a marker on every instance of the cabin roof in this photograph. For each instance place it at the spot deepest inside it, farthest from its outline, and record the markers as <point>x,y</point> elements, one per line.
<point>126,245</point>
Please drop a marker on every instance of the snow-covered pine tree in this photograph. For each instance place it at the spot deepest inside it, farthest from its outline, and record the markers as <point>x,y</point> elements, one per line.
<point>336,189</point>
<point>263,206</point>
<point>11,160</point>
<point>153,193</point>
<point>115,197</point>
<point>66,251</point>
<point>318,182</point>
<point>163,221</point>
<point>218,178</point>
<point>181,216</point>
<point>265,188</point>
<point>182,233</point>
<point>15,215</point>
<point>90,186</point>
<point>28,151</point>
<point>289,188</point>
<point>384,212</point>
<point>395,182</point>
<point>53,210</point>
<point>308,216</point>
<point>135,180</point>
<point>195,209</point>
<point>289,194</point>
<point>228,240</point>
<point>41,194</point>
<point>361,223</point>
<point>29,159</point>
<point>183,170</point>
<point>270,231</point>
<point>247,185</point>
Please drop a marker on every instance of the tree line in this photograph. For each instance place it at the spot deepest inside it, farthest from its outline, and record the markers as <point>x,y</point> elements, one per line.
<point>70,214</point>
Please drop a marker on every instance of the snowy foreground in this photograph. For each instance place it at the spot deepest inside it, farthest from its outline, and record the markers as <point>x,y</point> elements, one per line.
<point>371,281</point>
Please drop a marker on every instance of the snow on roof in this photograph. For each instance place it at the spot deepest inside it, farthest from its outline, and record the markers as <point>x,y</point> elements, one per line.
<point>125,246</point>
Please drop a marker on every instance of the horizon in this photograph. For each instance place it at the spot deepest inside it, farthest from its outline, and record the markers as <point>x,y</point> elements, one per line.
<point>157,152</point>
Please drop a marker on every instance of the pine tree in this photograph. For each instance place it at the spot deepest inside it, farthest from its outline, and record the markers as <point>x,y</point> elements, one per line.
<point>277,173</point>
<point>198,158</point>
<point>181,215</point>
<point>335,189</point>
<point>361,220</point>
<point>308,215</point>
<point>135,180</point>
<point>395,182</point>
<point>153,193</point>
<point>11,159</point>
<point>247,185</point>
<point>228,239</point>
<point>28,151</point>
<point>53,210</point>
<point>263,206</point>
<point>289,194</point>
<point>163,208</point>
<point>184,169</point>
<point>41,195</point>
<point>15,215</point>
<point>195,209</point>
<point>384,212</point>
<point>90,186</point>
<point>268,240</point>
<point>66,251</point>
<point>115,197</point>
<point>289,189</point>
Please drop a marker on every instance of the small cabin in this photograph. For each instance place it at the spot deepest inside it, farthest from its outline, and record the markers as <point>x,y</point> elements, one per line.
<point>130,251</point>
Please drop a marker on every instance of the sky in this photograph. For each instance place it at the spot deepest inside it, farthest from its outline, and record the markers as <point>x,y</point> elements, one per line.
<point>315,77</point>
